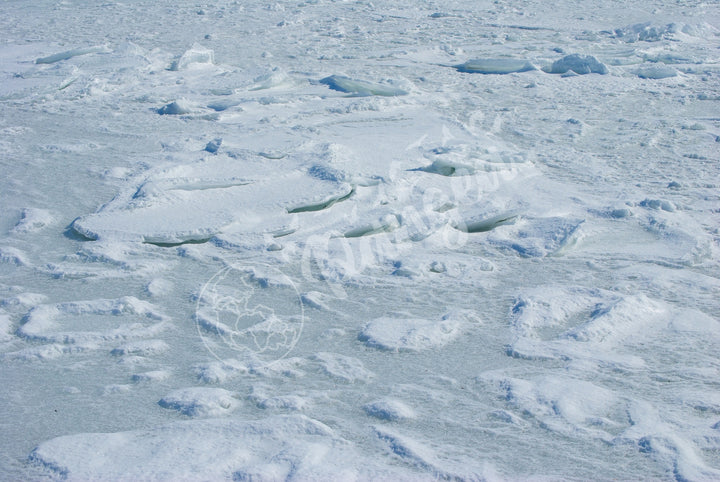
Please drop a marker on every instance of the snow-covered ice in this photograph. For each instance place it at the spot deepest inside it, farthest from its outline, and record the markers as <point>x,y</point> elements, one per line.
<point>330,240</point>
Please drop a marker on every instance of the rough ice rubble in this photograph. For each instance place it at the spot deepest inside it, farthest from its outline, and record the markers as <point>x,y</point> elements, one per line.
<point>650,32</point>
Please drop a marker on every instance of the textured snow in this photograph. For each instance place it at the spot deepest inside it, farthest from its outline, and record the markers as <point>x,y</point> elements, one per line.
<point>381,240</point>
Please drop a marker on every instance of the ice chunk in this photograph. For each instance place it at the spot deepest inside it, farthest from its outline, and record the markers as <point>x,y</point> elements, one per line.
<point>495,66</point>
<point>200,401</point>
<point>360,87</point>
<point>178,107</point>
<point>580,64</point>
<point>196,57</point>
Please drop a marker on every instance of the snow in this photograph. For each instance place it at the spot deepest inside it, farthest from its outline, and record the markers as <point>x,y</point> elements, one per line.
<point>333,240</point>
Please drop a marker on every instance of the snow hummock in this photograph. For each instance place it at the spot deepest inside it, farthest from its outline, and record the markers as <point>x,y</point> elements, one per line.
<point>277,447</point>
<point>400,334</point>
<point>200,401</point>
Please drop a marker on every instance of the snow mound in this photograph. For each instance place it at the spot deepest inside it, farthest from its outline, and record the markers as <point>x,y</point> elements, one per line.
<point>360,87</point>
<point>564,405</point>
<point>534,238</point>
<point>153,376</point>
<point>41,323</point>
<point>495,66</point>
<point>5,326</point>
<point>13,256</point>
<point>399,334</point>
<point>32,220</point>
<point>141,348</point>
<point>275,448</point>
<point>389,409</point>
<point>344,367</point>
<point>200,401</point>
<point>579,64</point>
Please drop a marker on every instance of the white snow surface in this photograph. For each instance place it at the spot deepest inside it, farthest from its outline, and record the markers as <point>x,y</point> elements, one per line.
<point>324,240</point>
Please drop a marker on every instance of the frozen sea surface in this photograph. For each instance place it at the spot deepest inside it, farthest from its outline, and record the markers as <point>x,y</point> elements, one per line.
<point>329,240</point>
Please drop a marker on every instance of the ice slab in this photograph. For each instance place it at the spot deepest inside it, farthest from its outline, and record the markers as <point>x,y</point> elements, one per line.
<point>68,54</point>
<point>360,87</point>
<point>495,66</point>
<point>180,210</point>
